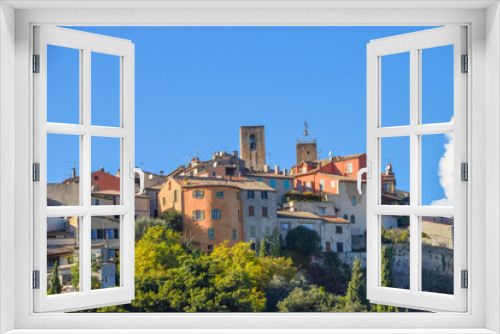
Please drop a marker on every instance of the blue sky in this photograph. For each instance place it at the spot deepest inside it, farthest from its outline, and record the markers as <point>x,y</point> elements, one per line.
<point>195,86</point>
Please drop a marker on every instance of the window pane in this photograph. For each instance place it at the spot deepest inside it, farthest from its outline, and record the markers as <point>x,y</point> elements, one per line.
<point>437,84</point>
<point>105,176</point>
<point>63,253</point>
<point>63,162</point>
<point>437,254</point>
<point>105,90</point>
<point>63,85</point>
<point>395,169</point>
<point>395,89</point>
<point>105,238</point>
<point>395,252</point>
<point>438,169</point>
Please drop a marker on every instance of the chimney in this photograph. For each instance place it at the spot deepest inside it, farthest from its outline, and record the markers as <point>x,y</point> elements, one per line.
<point>229,178</point>
<point>266,169</point>
<point>73,172</point>
<point>276,169</point>
<point>235,154</point>
<point>285,171</point>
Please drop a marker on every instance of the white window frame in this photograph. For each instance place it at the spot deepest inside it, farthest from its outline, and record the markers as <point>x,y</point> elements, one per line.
<point>85,43</point>
<point>15,45</point>
<point>414,43</point>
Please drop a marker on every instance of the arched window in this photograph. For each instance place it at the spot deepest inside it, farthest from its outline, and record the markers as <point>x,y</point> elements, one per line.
<point>353,219</point>
<point>346,217</point>
<point>252,142</point>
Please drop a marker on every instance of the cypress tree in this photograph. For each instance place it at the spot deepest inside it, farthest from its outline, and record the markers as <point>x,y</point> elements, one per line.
<point>356,291</point>
<point>55,284</point>
<point>263,248</point>
<point>386,268</point>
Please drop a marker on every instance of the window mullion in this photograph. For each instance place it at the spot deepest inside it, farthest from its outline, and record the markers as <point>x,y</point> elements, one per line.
<point>86,171</point>
<point>415,170</point>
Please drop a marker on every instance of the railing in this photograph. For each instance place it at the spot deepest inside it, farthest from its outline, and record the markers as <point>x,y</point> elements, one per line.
<point>306,140</point>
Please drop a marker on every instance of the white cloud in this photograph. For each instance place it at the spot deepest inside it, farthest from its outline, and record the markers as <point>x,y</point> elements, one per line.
<point>446,171</point>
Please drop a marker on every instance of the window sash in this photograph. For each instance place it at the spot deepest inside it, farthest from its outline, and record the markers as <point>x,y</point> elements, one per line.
<point>413,42</point>
<point>86,43</point>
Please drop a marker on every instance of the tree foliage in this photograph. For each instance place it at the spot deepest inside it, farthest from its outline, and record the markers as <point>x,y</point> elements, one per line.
<point>172,278</point>
<point>312,299</point>
<point>303,241</point>
<point>170,219</point>
<point>356,291</point>
<point>55,283</point>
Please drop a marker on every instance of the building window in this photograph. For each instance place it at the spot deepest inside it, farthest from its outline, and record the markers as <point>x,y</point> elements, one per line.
<point>272,183</point>
<point>251,194</point>
<point>308,186</point>
<point>264,211</point>
<point>268,231</point>
<point>253,144</point>
<point>332,184</point>
<point>170,186</point>
<point>111,254</point>
<point>110,234</point>
<point>199,214</point>
<point>175,195</point>
<point>349,168</point>
<point>198,193</point>
<point>252,246</point>
<point>259,179</point>
<point>213,174</point>
<point>353,200</point>
<point>322,211</point>
<point>216,214</point>
<point>285,226</point>
<point>210,248</point>
<point>286,184</point>
<point>211,233</point>
<point>263,194</point>
<point>96,177</point>
<point>251,211</point>
<point>304,169</point>
<point>252,231</point>
<point>346,217</point>
<point>352,219</point>
<point>321,185</point>
<point>338,229</point>
<point>94,234</point>
<point>164,200</point>
<point>97,201</point>
<point>219,194</point>
<point>234,233</point>
<point>340,247</point>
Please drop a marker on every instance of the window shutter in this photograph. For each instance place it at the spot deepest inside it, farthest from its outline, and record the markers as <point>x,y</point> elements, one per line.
<point>202,214</point>
<point>194,215</point>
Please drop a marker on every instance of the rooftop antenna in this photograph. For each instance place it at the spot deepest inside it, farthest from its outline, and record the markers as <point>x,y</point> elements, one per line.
<point>319,154</point>
<point>270,158</point>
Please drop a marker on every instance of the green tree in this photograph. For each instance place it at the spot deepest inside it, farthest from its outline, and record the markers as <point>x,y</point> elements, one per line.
<point>55,284</point>
<point>356,290</point>
<point>263,247</point>
<point>279,288</point>
<point>386,280</point>
<point>172,278</point>
<point>312,299</point>
<point>170,219</point>
<point>304,241</point>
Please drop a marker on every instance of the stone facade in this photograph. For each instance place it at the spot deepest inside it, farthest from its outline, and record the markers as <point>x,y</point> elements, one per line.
<point>253,146</point>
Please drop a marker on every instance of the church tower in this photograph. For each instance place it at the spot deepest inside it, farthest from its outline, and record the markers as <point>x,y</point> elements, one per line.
<point>253,146</point>
<point>306,147</point>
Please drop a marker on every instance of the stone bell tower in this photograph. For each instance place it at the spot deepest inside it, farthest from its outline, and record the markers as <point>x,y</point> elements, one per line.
<point>253,146</point>
<point>306,147</point>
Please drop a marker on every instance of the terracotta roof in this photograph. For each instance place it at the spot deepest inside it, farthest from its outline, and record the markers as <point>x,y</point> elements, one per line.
<point>255,185</point>
<point>336,220</point>
<point>298,214</point>
<point>344,157</point>
<point>268,175</point>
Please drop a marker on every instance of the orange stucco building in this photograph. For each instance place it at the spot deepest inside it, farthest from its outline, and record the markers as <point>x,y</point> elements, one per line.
<point>211,209</point>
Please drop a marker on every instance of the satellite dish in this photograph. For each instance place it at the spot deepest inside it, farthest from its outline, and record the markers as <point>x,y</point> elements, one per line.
<point>330,153</point>
<point>150,176</point>
<point>215,164</point>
